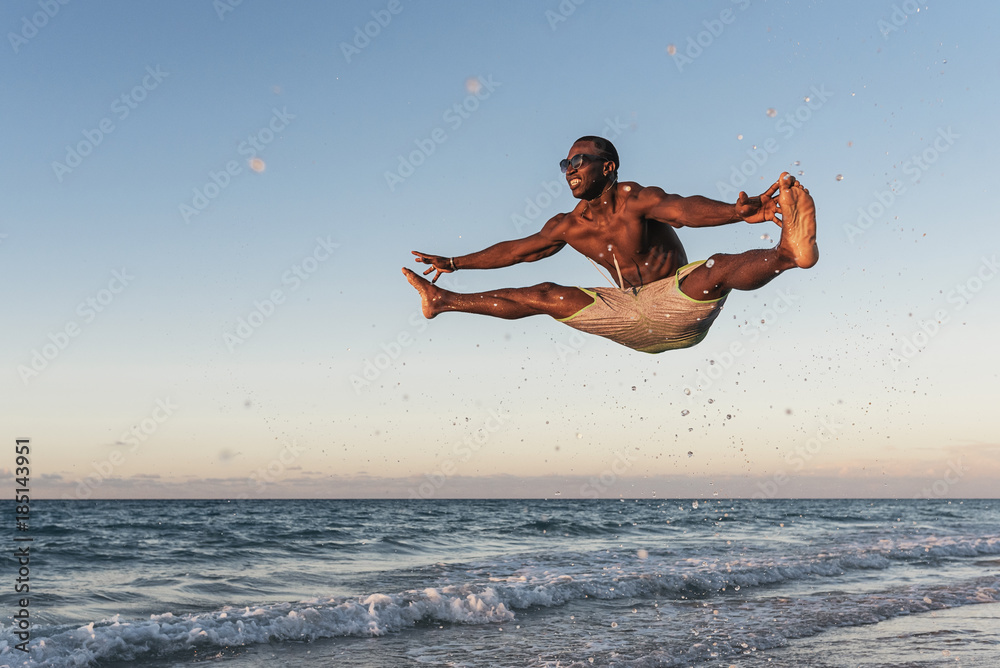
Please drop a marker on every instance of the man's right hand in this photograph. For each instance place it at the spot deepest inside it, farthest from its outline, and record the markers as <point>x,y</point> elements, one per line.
<point>759,209</point>
<point>443,265</point>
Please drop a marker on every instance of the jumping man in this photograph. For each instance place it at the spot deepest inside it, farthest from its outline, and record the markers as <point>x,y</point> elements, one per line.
<point>662,302</point>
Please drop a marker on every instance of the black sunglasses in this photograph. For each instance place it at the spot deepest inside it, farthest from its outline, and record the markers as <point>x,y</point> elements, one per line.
<point>577,161</point>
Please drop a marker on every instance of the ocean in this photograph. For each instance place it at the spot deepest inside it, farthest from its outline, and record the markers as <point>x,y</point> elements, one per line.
<point>559,582</point>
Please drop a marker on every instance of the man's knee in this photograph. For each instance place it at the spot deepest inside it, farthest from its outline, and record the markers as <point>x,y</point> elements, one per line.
<point>548,288</point>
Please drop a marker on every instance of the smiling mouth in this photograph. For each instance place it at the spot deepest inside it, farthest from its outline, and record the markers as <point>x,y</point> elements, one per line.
<point>573,183</point>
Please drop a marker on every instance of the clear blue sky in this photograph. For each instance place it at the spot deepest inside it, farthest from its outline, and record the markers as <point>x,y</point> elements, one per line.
<point>163,99</point>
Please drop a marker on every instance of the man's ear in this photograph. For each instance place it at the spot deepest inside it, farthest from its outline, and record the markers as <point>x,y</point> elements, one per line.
<point>613,167</point>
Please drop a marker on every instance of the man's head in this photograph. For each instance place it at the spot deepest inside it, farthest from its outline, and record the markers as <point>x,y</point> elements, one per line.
<point>597,165</point>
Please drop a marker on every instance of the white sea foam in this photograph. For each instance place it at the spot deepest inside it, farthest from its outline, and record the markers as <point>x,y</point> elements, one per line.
<point>493,599</point>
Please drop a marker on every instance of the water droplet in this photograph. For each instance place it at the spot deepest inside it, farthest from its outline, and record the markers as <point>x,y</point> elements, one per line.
<point>609,247</point>
<point>796,163</point>
<point>729,416</point>
<point>633,388</point>
<point>807,98</point>
<point>694,504</point>
<point>628,189</point>
<point>257,165</point>
<point>711,361</point>
<point>614,625</point>
<point>579,435</point>
<point>771,112</point>
<point>709,262</point>
<point>687,391</point>
<point>711,401</point>
<point>765,237</point>
<point>840,177</point>
<point>642,554</point>
<point>671,50</point>
<point>685,412</point>
<point>740,137</point>
<point>801,172</point>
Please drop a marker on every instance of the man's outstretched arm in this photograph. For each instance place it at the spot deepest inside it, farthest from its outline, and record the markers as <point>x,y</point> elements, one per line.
<point>697,211</point>
<point>540,245</point>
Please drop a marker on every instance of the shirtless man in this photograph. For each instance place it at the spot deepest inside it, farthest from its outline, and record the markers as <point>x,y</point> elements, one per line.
<point>662,302</point>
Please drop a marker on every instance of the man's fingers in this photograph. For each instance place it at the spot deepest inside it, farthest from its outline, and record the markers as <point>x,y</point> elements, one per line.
<point>429,270</point>
<point>773,189</point>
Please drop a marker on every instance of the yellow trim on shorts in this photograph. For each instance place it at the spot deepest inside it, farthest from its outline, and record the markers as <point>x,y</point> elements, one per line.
<point>593,295</point>
<point>677,285</point>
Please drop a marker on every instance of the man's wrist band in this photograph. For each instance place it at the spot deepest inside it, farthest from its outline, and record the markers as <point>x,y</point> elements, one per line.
<point>451,261</point>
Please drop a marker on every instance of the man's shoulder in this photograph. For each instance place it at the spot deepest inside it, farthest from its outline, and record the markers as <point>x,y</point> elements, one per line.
<point>643,192</point>
<point>642,196</point>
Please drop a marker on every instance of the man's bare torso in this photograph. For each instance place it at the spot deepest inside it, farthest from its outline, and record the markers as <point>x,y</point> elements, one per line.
<point>646,250</point>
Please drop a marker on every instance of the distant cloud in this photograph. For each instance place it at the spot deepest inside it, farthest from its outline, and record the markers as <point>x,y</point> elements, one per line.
<point>846,482</point>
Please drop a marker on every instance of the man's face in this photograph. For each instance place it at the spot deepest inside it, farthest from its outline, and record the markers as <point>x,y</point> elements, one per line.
<point>588,180</point>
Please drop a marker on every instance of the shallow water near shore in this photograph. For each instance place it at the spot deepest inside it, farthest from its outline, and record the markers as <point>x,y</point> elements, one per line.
<point>513,582</point>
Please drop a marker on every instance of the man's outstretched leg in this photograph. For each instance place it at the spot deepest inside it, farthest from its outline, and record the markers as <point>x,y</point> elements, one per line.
<point>508,303</point>
<point>754,269</point>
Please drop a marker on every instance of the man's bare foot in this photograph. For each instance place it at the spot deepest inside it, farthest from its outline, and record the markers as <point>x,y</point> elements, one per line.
<point>798,222</point>
<point>430,295</point>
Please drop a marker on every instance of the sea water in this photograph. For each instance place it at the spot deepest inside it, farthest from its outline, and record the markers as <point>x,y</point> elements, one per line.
<point>509,583</point>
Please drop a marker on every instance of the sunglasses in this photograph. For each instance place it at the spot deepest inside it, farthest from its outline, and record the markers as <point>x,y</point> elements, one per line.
<point>577,161</point>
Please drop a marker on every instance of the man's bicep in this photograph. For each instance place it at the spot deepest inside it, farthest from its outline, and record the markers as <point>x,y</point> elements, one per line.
<point>654,204</point>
